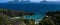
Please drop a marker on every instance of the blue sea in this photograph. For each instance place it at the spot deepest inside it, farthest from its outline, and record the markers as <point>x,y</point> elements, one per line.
<point>38,9</point>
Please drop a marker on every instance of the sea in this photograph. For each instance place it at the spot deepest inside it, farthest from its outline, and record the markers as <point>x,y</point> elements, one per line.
<point>38,8</point>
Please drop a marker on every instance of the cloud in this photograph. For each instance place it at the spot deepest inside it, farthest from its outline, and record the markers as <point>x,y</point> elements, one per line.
<point>30,0</point>
<point>35,0</point>
<point>12,0</point>
<point>54,0</point>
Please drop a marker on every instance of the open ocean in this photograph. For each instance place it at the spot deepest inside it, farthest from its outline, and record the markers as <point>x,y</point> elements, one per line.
<point>38,9</point>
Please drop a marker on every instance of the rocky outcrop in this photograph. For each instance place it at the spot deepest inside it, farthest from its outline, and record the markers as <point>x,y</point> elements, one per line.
<point>13,17</point>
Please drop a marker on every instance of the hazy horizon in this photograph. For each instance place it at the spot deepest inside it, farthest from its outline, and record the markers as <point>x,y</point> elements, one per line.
<point>3,1</point>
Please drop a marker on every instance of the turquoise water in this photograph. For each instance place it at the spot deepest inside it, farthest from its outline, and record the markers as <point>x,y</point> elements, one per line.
<point>36,16</point>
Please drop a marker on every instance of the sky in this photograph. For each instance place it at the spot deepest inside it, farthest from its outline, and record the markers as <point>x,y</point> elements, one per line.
<point>30,0</point>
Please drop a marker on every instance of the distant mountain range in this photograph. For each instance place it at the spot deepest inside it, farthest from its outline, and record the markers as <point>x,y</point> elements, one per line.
<point>42,2</point>
<point>46,2</point>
